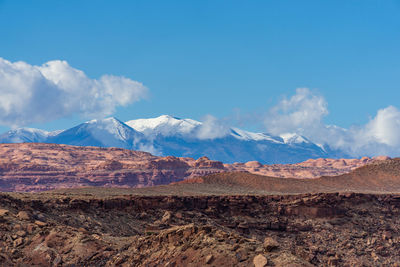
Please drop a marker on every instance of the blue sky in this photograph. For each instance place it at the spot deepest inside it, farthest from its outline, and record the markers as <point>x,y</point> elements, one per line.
<point>218,57</point>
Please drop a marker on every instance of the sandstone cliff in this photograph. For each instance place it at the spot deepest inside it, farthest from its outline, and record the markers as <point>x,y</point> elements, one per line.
<point>37,167</point>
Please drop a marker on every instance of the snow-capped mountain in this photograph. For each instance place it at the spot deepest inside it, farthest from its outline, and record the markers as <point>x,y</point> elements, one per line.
<point>24,135</point>
<point>249,136</point>
<point>168,126</point>
<point>293,138</point>
<point>108,132</point>
<point>164,125</point>
<point>166,135</point>
<point>178,137</point>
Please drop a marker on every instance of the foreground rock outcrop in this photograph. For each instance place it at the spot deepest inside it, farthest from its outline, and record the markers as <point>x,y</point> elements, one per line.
<point>38,167</point>
<point>65,229</point>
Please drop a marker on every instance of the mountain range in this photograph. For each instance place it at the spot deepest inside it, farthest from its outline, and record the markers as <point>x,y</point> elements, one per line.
<point>167,135</point>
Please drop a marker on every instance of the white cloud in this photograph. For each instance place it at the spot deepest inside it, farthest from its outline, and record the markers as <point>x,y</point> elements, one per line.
<point>212,128</point>
<point>31,94</point>
<point>297,114</point>
<point>385,126</point>
<point>150,148</point>
<point>303,113</point>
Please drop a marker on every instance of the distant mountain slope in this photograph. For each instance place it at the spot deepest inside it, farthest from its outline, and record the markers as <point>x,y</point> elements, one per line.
<point>164,125</point>
<point>24,135</point>
<point>167,135</point>
<point>108,132</point>
<point>178,137</point>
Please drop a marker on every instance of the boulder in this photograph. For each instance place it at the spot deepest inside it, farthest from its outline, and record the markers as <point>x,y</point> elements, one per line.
<point>270,244</point>
<point>260,261</point>
<point>209,259</point>
<point>40,223</point>
<point>3,212</point>
<point>23,215</point>
<point>166,218</point>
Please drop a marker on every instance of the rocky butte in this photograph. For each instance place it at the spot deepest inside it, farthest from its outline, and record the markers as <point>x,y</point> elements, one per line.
<point>39,166</point>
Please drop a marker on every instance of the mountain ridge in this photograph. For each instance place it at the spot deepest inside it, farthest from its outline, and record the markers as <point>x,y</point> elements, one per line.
<point>167,135</point>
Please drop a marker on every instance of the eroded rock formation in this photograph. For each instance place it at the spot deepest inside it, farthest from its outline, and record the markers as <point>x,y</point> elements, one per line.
<point>51,229</point>
<point>37,167</point>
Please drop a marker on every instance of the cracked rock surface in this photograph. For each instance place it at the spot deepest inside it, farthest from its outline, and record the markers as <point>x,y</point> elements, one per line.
<point>325,229</point>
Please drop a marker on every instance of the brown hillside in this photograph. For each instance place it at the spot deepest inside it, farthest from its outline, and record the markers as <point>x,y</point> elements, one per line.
<point>379,177</point>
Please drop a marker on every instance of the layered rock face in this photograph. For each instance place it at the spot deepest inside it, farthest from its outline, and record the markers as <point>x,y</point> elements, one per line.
<point>36,167</point>
<point>312,168</point>
<point>50,229</point>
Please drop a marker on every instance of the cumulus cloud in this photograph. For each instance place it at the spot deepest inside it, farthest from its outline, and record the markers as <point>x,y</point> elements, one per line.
<point>150,148</point>
<point>385,126</point>
<point>212,128</point>
<point>303,113</point>
<point>298,113</point>
<point>380,136</point>
<point>31,94</point>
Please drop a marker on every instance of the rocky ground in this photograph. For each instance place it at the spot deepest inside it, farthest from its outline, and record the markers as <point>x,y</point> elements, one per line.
<point>325,229</point>
<point>38,167</point>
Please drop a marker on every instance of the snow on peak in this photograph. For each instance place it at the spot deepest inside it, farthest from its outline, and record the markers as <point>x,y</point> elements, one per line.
<point>293,138</point>
<point>110,121</point>
<point>54,133</point>
<point>164,125</point>
<point>111,126</point>
<point>22,135</point>
<point>27,130</point>
<point>245,135</point>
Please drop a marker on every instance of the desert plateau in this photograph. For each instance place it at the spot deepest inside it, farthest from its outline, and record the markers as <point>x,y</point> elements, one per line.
<point>84,206</point>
